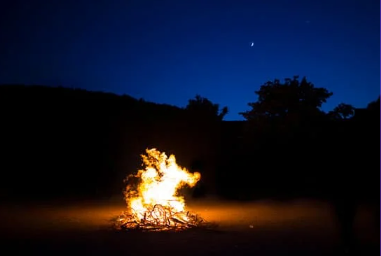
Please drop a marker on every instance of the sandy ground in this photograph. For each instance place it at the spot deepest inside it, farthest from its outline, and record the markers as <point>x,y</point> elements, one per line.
<point>301,227</point>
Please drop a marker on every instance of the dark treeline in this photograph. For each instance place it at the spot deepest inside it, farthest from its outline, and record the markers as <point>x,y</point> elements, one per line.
<point>338,156</point>
<point>288,147</point>
<point>60,142</point>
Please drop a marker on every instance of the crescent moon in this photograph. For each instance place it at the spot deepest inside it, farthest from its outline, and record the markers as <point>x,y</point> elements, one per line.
<point>252,44</point>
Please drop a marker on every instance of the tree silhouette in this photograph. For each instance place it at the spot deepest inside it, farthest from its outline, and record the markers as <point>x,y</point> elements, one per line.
<point>277,100</point>
<point>202,108</point>
<point>287,105</point>
<point>374,105</point>
<point>342,111</point>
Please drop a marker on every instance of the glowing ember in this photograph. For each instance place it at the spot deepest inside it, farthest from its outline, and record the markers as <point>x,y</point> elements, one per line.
<point>152,196</point>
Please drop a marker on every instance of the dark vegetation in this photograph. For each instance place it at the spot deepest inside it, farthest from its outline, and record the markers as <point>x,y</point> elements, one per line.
<point>60,142</point>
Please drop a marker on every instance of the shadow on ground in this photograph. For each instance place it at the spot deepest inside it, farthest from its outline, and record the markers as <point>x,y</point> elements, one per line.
<point>300,227</point>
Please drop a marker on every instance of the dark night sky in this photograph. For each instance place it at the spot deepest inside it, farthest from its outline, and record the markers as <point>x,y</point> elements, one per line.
<point>169,51</point>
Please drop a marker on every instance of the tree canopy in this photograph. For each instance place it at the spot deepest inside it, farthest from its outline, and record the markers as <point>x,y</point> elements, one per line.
<point>202,108</point>
<point>281,100</point>
<point>342,111</point>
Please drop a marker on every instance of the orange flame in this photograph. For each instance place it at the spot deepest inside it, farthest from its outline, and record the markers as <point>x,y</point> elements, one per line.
<point>158,184</point>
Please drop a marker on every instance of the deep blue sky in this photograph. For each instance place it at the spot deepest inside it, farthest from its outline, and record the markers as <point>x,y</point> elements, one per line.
<point>169,51</point>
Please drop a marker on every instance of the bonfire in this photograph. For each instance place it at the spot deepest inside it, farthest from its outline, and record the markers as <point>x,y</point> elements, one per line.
<point>152,196</point>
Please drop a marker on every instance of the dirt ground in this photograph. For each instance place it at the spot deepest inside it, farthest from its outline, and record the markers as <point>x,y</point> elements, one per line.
<point>300,227</point>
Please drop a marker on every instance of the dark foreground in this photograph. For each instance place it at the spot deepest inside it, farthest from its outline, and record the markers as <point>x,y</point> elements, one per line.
<point>302,227</point>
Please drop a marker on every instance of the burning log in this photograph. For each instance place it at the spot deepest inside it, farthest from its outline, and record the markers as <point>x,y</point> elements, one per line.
<point>154,204</point>
<point>160,218</point>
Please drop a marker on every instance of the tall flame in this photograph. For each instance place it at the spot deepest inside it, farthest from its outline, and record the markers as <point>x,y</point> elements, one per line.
<point>158,184</point>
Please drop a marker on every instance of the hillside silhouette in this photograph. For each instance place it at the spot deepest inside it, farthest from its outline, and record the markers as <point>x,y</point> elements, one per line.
<point>61,142</point>
<point>72,144</point>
